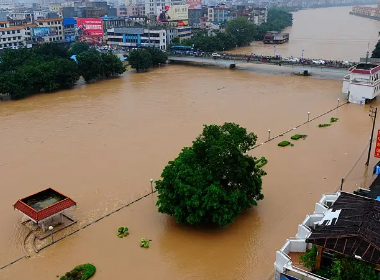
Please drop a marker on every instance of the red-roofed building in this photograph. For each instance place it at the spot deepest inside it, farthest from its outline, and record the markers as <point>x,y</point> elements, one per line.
<point>43,207</point>
<point>363,83</point>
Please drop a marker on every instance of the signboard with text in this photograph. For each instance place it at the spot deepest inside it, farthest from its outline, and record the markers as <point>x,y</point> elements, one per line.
<point>377,148</point>
<point>172,13</point>
<point>194,4</point>
<point>90,27</point>
<point>39,32</point>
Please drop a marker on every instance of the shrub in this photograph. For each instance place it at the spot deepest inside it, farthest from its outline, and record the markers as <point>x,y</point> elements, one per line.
<point>284,143</point>
<point>298,136</point>
<point>309,259</point>
<point>334,120</point>
<point>324,124</point>
<point>144,242</point>
<point>122,232</point>
<point>80,272</point>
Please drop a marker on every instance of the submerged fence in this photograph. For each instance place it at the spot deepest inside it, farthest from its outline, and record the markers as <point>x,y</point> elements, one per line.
<point>308,120</point>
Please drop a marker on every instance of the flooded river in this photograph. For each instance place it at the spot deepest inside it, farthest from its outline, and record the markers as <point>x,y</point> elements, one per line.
<point>326,33</point>
<point>101,143</point>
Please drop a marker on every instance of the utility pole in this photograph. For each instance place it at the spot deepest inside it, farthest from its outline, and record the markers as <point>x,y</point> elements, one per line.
<point>372,114</point>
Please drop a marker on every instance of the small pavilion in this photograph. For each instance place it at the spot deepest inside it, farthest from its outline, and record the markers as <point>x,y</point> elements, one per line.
<point>45,208</point>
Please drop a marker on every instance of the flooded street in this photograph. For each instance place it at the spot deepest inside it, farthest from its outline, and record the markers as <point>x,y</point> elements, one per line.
<point>101,143</point>
<point>325,33</point>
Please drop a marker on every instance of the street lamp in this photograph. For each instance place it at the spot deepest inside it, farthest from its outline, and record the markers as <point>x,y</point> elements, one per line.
<point>151,184</point>
<point>268,134</point>
<point>51,233</point>
<point>338,102</point>
<point>308,116</point>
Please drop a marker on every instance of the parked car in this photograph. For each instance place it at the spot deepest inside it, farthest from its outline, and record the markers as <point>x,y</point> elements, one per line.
<point>216,55</point>
<point>319,62</point>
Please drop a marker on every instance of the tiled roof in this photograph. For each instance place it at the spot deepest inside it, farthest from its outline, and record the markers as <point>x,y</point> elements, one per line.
<point>48,19</point>
<point>353,229</point>
<point>46,212</point>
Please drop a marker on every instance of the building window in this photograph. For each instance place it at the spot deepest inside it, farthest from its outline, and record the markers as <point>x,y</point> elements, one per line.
<point>18,31</point>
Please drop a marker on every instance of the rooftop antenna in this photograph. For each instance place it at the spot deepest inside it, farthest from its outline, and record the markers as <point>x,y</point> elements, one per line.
<point>367,56</point>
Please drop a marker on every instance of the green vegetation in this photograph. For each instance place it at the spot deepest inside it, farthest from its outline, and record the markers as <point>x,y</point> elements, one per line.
<point>332,120</point>
<point>94,65</point>
<point>144,242</point>
<point>298,136</point>
<point>349,268</point>
<point>78,48</point>
<point>48,67</point>
<point>214,180</point>
<point>143,59</point>
<point>284,143</point>
<point>376,51</point>
<point>80,272</point>
<point>122,232</point>
<point>324,124</point>
<point>309,259</point>
<point>240,32</point>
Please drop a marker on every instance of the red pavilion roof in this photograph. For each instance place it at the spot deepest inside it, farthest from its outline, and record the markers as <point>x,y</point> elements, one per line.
<point>39,215</point>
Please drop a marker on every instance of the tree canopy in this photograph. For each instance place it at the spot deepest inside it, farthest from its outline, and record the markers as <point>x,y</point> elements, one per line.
<point>143,59</point>
<point>376,51</point>
<point>48,67</point>
<point>79,47</point>
<point>214,180</point>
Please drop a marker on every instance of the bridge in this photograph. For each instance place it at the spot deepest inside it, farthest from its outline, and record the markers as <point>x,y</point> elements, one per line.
<point>274,66</point>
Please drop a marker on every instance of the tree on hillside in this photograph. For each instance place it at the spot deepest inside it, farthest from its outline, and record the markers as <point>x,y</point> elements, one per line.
<point>140,60</point>
<point>243,30</point>
<point>214,180</point>
<point>78,48</point>
<point>376,51</point>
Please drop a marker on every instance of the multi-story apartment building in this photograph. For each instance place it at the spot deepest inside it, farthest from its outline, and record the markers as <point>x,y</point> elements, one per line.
<point>11,36</point>
<point>137,37</point>
<point>55,30</point>
<point>220,14</point>
<point>6,4</point>
<point>131,10</point>
<point>151,6</point>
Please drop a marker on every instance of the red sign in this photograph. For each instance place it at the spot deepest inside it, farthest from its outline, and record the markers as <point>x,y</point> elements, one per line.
<point>194,4</point>
<point>90,27</point>
<point>377,148</point>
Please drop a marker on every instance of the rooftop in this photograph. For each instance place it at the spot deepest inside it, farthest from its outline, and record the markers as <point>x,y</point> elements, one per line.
<point>365,68</point>
<point>350,227</point>
<point>48,19</point>
<point>44,204</point>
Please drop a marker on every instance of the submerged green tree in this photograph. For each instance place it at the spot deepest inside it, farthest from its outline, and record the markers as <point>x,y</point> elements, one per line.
<point>78,48</point>
<point>140,60</point>
<point>214,180</point>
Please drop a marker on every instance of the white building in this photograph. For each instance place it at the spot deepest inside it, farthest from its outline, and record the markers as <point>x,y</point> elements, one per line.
<point>137,37</point>
<point>296,245</point>
<point>259,15</point>
<point>12,36</point>
<point>55,30</point>
<point>6,4</point>
<point>152,5</point>
<point>363,83</point>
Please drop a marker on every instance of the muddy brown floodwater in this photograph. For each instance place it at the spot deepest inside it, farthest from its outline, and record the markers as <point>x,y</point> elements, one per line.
<point>326,33</point>
<point>101,143</point>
